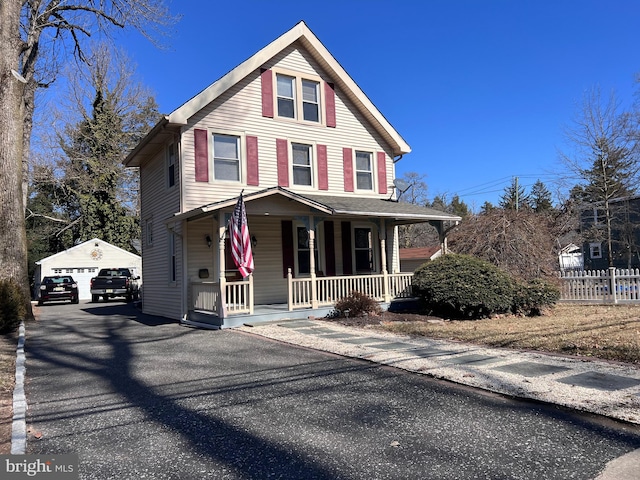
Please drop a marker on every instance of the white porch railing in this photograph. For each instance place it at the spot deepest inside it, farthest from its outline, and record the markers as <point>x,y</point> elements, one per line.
<point>601,286</point>
<point>313,292</point>
<point>205,296</point>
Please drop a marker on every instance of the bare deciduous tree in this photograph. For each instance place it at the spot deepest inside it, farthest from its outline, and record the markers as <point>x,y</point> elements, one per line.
<point>24,51</point>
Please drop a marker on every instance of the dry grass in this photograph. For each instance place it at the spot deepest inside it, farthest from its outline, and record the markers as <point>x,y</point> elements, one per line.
<point>607,332</point>
<point>8,345</point>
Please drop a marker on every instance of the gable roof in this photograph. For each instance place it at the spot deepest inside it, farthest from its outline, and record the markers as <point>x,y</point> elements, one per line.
<point>419,253</point>
<point>80,245</point>
<point>299,33</point>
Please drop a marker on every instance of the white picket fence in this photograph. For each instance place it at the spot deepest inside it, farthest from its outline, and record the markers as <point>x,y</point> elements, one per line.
<point>601,286</point>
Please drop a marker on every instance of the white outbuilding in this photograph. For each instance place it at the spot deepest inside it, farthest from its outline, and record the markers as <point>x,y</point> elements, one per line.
<point>83,262</point>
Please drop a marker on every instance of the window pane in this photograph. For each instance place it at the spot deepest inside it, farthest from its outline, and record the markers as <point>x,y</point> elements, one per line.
<point>363,237</point>
<point>285,86</point>
<point>286,108</point>
<point>301,176</point>
<point>310,112</point>
<point>309,91</point>
<point>225,146</point>
<point>301,154</point>
<point>363,161</point>
<point>364,181</point>
<point>226,170</point>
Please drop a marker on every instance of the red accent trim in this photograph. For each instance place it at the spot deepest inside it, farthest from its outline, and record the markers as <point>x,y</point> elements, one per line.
<point>200,140</point>
<point>287,248</point>
<point>347,261</point>
<point>347,168</point>
<point>266,80</point>
<point>329,249</point>
<point>382,172</point>
<point>323,169</point>
<point>253,177</point>
<point>282,152</point>
<point>330,104</point>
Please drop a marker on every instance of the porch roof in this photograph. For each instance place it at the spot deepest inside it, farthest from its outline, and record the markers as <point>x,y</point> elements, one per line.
<point>353,206</point>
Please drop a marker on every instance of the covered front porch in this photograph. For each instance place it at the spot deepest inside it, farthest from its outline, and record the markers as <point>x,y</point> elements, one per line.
<point>309,252</point>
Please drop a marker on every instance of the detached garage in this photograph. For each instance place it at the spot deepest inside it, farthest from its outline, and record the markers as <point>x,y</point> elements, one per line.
<point>83,262</point>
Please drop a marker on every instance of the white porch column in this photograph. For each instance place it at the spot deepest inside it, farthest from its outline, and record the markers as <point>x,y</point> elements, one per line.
<point>222,280</point>
<point>312,264</point>
<point>383,258</point>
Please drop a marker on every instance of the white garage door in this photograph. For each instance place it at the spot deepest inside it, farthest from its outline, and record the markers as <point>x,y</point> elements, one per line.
<point>82,276</point>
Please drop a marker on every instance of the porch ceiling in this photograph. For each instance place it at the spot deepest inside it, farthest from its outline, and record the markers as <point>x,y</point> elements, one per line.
<point>397,212</point>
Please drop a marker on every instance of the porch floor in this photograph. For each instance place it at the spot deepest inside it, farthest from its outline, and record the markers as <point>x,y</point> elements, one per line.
<point>261,314</point>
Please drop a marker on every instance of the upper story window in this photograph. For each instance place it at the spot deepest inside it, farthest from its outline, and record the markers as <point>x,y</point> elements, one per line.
<point>302,164</point>
<point>171,165</point>
<point>310,100</point>
<point>298,98</point>
<point>286,87</point>
<point>226,157</point>
<point>595,250</point>
<point>364,171</point>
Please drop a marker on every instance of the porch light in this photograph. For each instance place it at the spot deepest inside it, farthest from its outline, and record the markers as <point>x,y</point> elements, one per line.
<point>208,239</point>
<point>254,241</point>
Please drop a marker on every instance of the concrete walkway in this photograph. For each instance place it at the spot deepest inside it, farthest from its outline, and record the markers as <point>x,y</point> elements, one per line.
<point>606,388</point>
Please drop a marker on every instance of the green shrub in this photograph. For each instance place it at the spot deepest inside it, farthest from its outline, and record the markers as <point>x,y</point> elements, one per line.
<point>464,287</point>
<point>12,306</point>
<point>356,304</point>
<point>531,298</point>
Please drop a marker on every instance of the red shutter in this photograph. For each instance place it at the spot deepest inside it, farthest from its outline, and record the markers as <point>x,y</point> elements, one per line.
<point>347,169</point>
<point>323,173</point>
<point>252,161</point>
<point>382,172</point>
<point>287,248</point>
<point>266,80</point>
<point>347,261</point>
<point>200,138</point>
<point>329,249</point>
<point>330,104</point>
<point>282,152</point>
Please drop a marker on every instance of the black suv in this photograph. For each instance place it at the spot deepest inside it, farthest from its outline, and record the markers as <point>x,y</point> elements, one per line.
<point>58,287</point>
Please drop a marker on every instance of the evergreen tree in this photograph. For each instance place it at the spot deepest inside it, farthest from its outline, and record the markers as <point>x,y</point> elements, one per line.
<point>459,208</point>
<point>540,198</point>
<point>514,197</point>
<point>487,207</point>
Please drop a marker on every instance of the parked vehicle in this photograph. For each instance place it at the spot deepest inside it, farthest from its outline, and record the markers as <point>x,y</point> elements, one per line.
<point>115,282</point>
<point>58,287</point>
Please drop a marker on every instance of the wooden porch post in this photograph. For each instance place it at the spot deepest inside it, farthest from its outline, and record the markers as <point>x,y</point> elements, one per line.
<point>312,266</point>
<point>222,281</point>
<point>251,294</point>
<point>383,258</point>
<point>289,289</point>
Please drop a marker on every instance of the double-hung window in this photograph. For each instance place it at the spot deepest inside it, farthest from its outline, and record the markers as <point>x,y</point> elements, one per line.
<point>286,87</point>
<point>310,101</point>
<point>302,164</point>
<point>226,157</point>
<point>364,171</point>
<point>298,98</point>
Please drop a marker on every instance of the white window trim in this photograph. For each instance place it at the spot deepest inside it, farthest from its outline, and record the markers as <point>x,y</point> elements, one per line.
<point>375,247</point>
<point>374,180</point>
<point>243,156</point>
<point>593,248</point>
<point>298,107</point>
<point>314,165</point>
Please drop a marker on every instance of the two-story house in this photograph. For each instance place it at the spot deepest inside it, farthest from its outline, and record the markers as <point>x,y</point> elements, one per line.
<point>316,162</point>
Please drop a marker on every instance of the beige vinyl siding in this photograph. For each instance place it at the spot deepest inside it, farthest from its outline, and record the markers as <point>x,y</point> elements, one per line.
<point>269,284</point>
<point>238,111</point>
<point>159,204</point>
<point>200,256</point>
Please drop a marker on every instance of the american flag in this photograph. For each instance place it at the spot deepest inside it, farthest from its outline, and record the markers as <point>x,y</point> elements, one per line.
<point>240,239</point>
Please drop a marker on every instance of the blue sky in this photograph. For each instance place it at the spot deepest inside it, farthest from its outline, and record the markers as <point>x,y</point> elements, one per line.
<point>481,90</point>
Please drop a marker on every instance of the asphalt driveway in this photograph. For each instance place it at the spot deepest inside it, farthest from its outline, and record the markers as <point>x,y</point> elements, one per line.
<point>140,397</point>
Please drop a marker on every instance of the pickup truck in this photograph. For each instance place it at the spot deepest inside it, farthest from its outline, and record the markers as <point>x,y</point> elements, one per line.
<point>115,282</point>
